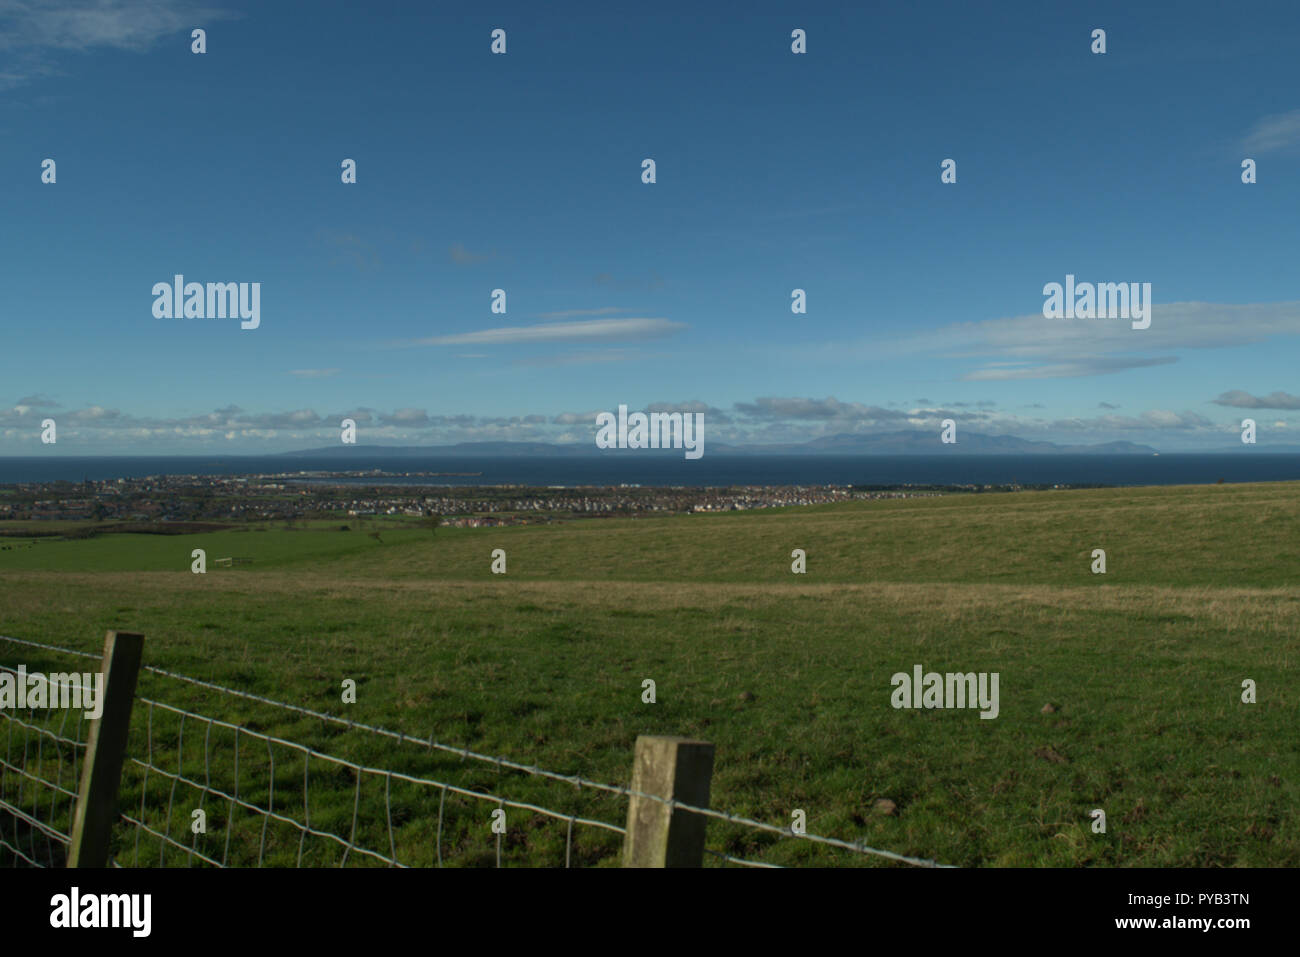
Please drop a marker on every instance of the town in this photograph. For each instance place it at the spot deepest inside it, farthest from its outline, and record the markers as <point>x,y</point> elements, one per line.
<point>166,503</point>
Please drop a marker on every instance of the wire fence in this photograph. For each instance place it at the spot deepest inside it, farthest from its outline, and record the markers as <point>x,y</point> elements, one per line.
<point>39,772</point>
<point>198,790</point>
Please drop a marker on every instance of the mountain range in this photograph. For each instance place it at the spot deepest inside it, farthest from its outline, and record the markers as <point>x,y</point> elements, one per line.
<point>884,443</point>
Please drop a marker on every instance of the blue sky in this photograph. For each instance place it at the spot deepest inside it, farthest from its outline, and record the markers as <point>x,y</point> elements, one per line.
<point>775,171</point>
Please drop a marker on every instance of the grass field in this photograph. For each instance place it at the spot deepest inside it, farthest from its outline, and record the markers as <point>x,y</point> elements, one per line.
<point>544,665</point>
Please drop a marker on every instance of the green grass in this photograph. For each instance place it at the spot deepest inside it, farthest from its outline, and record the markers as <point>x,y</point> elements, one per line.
<point>269,547</point>
<point>544,665</point>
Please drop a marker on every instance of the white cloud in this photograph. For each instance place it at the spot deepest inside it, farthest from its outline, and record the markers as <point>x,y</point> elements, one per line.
<point>1092,365</point>
<point>32,32</point>
<point>577,418</point>
<point>85,24</point>
<point>765,420</point>
<point>770,407</point>
<point>1032,347</point>
<point>588,331</point>
<point>1244,400</point>
<point>1153,420</point>
<point>1275,132</point>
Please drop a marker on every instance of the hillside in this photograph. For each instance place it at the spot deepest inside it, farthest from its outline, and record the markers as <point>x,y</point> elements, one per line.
<point>789,675</point>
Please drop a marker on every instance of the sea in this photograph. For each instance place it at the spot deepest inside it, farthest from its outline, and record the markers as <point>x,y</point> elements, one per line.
<point>624,468</point>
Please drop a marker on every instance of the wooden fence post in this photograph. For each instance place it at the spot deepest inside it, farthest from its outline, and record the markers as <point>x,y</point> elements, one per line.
<point>101,774</point>
<point>680,769</point>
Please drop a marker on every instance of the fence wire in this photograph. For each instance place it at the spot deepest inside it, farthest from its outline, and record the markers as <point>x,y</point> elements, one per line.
<point>359,813</point>
<point>372,827</point>
<point>39,772</point>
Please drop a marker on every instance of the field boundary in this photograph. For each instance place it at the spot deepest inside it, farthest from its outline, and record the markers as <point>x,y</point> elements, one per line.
<point>666,823</point>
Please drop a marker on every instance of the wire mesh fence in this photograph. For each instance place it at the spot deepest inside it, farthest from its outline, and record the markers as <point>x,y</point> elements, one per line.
<point>39,771</point>
<point>245,798</point>
<point>234,779</point>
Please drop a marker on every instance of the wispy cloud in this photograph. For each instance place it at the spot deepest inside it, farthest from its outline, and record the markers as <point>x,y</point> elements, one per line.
<point>570,313</point>
<point>587,357</point>
<point>576,418</point>
<point>768,407</point>
<point>1244,400</point>
<point>85,24</point>
<point>349,248</point>
<point>32,31</point>
<point>1089,366</point>
<point>314,373</point>
<point>715,415</point>
<point>408,417</point>
<point>464,257</point>
<point>593,330</point>
<point>40,401</point>
<point>1276,132</point>
<point>764,420</point>
<point>1032,347</point>
<point>1153,420</point>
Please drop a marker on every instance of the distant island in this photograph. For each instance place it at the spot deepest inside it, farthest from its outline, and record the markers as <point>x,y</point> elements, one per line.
<point>885,443</point>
